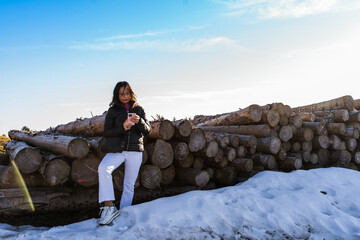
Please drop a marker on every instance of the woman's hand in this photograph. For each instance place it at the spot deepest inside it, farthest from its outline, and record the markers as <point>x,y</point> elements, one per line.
<point>127,126</point>
<point>135,118</point>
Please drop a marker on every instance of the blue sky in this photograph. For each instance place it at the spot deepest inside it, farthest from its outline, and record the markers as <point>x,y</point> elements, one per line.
<point>59,60</point>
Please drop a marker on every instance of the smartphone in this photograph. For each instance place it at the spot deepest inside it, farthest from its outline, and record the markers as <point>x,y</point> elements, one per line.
<point>130,115</point>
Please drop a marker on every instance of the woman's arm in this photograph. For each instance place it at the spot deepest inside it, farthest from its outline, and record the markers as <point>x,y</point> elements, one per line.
<point>143,125</point>
<point>109,125</point>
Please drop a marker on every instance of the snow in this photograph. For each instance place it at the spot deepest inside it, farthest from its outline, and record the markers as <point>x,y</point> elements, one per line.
<point>315,204</point>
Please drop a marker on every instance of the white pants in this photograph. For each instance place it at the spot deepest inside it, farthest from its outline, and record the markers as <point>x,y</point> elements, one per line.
<point>110,162</point>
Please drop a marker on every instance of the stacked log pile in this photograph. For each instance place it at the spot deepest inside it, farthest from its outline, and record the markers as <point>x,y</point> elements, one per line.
<point>205,152</point>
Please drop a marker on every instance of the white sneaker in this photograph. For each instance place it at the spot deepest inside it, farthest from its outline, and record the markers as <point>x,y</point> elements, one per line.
<point>107,215</point>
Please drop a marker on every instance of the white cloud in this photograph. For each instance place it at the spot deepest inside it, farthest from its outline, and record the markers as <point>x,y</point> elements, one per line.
<point>138,35</point>
<point>189,45</point>
<point>288,8</point>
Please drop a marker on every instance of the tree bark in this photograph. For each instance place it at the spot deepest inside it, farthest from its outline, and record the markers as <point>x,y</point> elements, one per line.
<point>27,158</point>
<point>262,130</point>
<point>242,164</point>
<point>167,175</point>
<point>251,114</point>
<point>198,163</point>
<point>72,147</point>
<point>160,153</point>
<point>84,171</point>
<point>226,176</point>
<point>291,162</point>
<point>181,150</point>
<point>335,142</point>
<point>55,169</point>
<point>306,146</point>
<point>357,104</point>
<point>296,120</point>
<point>186,162</point>
<point>320,142</point>
<point>323,157</point>
<point>351,133</point>
<point>307,116</point>
<point>192,176</point>
<point>95,146</point>
<point>162,130</point>
<point>317,127</point>
<point>150,176</point>
<point>341,158</point>
<point>241,152</point>
<point>303,135</point>
<point>295,147</point>
<point>345,102</point>
<point>354,116</point>
<point>336,128</point>
<point>270,145</point>
<point>209,151</point>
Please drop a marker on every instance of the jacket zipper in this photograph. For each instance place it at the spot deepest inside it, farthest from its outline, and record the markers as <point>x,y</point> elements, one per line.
<point>129,132</point>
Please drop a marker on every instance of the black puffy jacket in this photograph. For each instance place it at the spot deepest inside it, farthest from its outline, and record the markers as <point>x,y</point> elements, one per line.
<point>133,138</point>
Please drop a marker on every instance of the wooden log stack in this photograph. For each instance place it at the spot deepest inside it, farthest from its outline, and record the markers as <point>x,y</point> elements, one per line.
<point>214,151</point>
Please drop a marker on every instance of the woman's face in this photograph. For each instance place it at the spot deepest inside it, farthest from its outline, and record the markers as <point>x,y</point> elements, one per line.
<point>124,95</point>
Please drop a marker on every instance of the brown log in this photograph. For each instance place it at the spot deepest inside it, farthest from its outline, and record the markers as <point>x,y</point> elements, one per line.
<point>242,164</point>
<point>283,120</point>
<point>251,114</point>
<point>222,138</point>
<point>211,172</point>
<point>185,163</point>
<point>340,115</point>
<point>262,130</point>
<point>317,127</point>
<point>198,163</point>
<point>161,153</point>
<point>306,155</point>
<point>87,127</point>
<point>273,133</point>
<point>181,150</point>
<point>356,157</point>
<point>291,162</point>
<point>285,133</point>
<point>320,142</point>
<point>209,151</point>
<point>342,158</point>
<point>288,111</point>
<point>351,144</point>
<point>354,116</point>
<point>230,153</point>
<point>345,102</point>
<point>226,176</point>
<point>270,145</point>
<point>295,147</point>
<point>95,146</point>
<point>296,120</point>
<point>286,146</point>
<point>271,117</point>
<point>352,133</point>
<point>306,146</point>
<point>162,130</point>
<point>196,140</point>
<point>192,176</point>
<point>353,125</point>
<point>303,135</point>
<point>4,159</point>
<point>150,176</point>
<point>241,152</point>
<point>342,145</point>
<point>182,128</point>
<point>84,171</point>
<point>167,175</point>
<point>27,158</point>
<point>307,116</point>
<point>335,142</point>
<point>357,104</point>
<point>314,158</point>
<point>265,160</point>
<point>55,169</point>
<point>336,128</point>
<point>280,107</point>
<point>11,178</point>
<point>281,155</point>
<point>72,147</point>
<point>323,157</point>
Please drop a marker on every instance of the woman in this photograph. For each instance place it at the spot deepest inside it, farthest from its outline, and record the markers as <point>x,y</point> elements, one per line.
<point>124,129</point>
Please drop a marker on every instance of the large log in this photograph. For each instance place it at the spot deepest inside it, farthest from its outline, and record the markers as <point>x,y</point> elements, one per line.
<point>303,134</point>
<point>323,157</point>
<point>87,127</point>
<point>167,175</point>
<point>95,146</point>
<point>230,153</point>
<point>262,130</point>
<point>162,129</point>
<point>352,133</point>
<point>354,116</point>
<point>198,163</point>
<point>265,160</point>
<point>307,116</point>
<point>357,104</point>
<point>356,157</point>
<point>182,128</point>
<point>291,162</point>
<point>72,147</point>
<point>351,144</point>
<point>296,120</point>
<point>345,102</point>
<point>186,162</point>
<point>192,176</point>
<point>341,158</point>
<point>340,115</point>
<point>223,139</point>
<point>334,141</point>
<point>336,128</point>
<point>160,153</point>
<point>196,140</point>
<point>210,150</point>
<point>26,158</point>
<point>150,176</point>
<point>306,146</point>
<point>55,169</point>
<point>270,116</point>
<point>320,142</point>
<point>318,128</point>
<point>270,145</point>
<point>84,170</point>
<point>181,150</point>
<point>251,114</point>
<point>285,133</point>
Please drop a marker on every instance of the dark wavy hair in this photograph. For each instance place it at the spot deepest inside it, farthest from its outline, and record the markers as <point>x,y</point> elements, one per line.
<point>115,100</point>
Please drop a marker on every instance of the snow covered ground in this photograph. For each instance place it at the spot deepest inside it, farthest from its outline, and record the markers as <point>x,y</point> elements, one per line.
<point>315,204</point>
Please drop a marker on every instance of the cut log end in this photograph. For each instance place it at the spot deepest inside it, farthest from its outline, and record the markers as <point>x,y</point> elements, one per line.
<point>78,148</point>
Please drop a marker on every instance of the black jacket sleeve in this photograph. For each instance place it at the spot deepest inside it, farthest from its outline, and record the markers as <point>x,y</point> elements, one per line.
<point>143,125</point>
<point>109,126</point>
